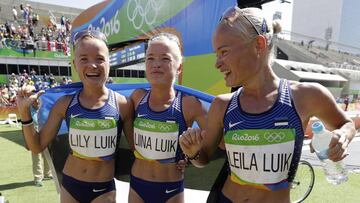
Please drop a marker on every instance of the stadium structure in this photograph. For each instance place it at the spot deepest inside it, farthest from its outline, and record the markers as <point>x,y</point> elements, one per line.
<point>19,53</point>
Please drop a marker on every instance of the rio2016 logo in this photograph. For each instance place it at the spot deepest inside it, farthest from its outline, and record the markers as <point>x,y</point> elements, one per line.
<point>245,137</point>
<point>269,136</point>
<point>111,27</point>
<point>84,123</point>
<point>104,124</point>
<point>274,136</point>
<point>164,128</point>
<point>138,12</point>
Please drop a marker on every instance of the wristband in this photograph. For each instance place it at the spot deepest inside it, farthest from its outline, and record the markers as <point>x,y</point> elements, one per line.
<point>27,122</point>
<point>24,125</point>
<point>195,157</point>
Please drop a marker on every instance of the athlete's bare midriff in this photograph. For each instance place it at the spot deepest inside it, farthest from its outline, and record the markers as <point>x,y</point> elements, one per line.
<point>155,171</point>
<point>89,171</point>
<point>248,194</point>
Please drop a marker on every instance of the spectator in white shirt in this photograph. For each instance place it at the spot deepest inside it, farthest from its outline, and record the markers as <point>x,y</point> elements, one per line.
<point>14,13</point>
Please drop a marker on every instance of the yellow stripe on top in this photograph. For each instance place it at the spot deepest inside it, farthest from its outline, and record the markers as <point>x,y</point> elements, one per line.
<point>139,156</point>
<point>237,180</point>
<point>75,154</point>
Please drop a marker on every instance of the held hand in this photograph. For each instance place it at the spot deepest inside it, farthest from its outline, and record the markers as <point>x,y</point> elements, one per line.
<point>338,146</point>
<point>190,141</point>
<point>26,97</point>
<point>181,165</point>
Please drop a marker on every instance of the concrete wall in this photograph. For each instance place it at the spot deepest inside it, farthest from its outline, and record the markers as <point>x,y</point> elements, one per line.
<point>282,72</point>
<point>34,61</point>
<point>336,88</point>
<point>295,53</point>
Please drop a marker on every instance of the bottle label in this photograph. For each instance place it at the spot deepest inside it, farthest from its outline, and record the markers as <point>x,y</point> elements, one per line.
<point>323,154</point>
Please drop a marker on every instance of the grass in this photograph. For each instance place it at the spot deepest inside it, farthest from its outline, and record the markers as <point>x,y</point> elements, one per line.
<point>325,192</point>
<point>16,180</point>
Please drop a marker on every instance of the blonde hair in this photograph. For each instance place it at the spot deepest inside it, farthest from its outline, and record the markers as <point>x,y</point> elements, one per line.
<point>250,22</point>
<point>165,36</point>
<point>88,34</point>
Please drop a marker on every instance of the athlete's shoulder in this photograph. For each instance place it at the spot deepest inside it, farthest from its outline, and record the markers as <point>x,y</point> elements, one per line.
<point>192,104</point>
<point>219,105</point>
<point>119,97</point>
<point>123,101</point>
<point>138,94</point>
<point>188,99</point>
<point>310,98</point>
<point>64,101</point>
<point>61,104</point>
<point>125,106</point>
<point>307,89</point>
<point>222,99</point>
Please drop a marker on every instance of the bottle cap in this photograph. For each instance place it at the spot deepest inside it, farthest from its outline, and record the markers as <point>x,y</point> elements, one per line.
<point>317,127</point>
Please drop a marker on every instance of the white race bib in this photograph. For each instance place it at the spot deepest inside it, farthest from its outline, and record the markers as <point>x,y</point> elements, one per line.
<point>156,140</point>
<point>260,156</point>
<point>93,137</point>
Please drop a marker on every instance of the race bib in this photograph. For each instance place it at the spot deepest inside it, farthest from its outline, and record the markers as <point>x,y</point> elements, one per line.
<point>93,137</point>
<point>259,156</point>
<point>155,140</point>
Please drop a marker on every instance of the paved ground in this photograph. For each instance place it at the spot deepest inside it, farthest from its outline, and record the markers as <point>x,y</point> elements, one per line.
<point>198,196</point>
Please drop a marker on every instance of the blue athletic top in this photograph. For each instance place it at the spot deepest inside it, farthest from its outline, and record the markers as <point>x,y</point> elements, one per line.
<point>156,134</point>
<point>93,133</point>
<point>264,149</point>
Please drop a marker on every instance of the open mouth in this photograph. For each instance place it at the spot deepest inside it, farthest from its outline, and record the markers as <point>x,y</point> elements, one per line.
<point>92,75</point>
<point>226,73</point>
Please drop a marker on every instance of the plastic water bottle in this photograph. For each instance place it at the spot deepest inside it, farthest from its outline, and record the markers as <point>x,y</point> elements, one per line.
<point>335,172</point>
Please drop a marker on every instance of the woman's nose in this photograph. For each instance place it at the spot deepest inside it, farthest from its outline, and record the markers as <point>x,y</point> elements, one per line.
<point>92,64</point>
<point>156,63</point>
<point>218,63</point>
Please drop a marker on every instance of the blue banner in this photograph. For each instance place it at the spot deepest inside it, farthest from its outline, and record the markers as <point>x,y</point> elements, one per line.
<point>52,95</point>
<point>126,20</point>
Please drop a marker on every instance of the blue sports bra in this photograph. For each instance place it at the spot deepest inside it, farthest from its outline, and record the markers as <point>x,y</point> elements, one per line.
<point>94,133</point>
<point>264,149</point>
<point>156,134</point>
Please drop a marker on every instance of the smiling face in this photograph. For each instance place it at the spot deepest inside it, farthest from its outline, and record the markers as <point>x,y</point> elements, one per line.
<point>162,62</point>
<point>236,58</point>
<point>92,61</point>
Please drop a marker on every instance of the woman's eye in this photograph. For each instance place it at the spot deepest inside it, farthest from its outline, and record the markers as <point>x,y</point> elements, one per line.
<point>101,59</point>
<point>224,52</point>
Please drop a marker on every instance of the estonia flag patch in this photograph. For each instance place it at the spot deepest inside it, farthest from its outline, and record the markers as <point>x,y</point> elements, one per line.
<point>282,121</point>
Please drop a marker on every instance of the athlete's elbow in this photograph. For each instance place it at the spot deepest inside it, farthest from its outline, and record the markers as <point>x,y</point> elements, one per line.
<point>36,150</point>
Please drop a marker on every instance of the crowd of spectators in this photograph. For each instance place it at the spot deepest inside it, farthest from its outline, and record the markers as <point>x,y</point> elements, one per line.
<point>20,32</point>
<point>8,91</point>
